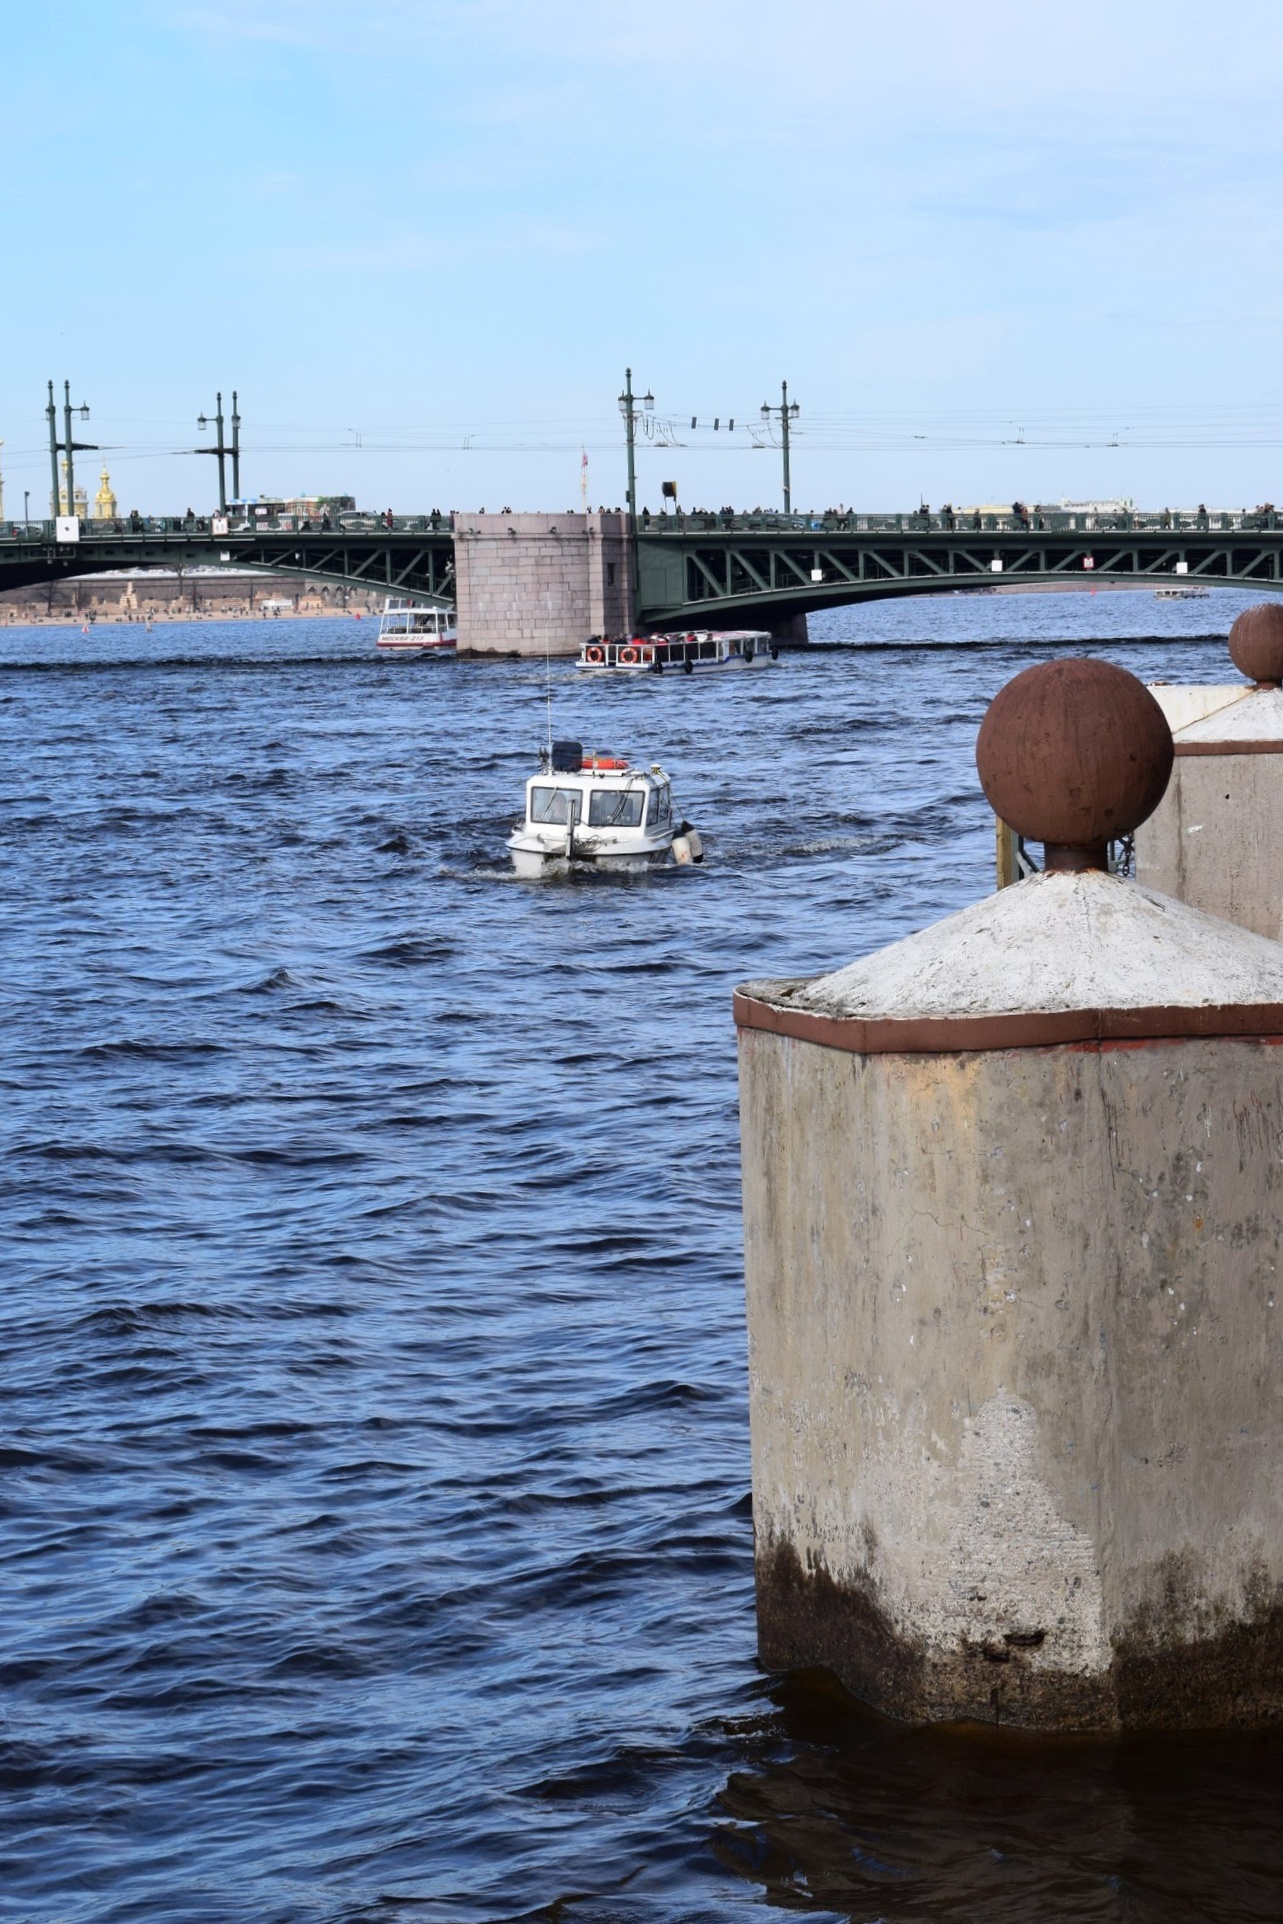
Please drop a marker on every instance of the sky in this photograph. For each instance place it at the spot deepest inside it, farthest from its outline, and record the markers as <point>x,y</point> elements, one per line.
<point>997,250</point>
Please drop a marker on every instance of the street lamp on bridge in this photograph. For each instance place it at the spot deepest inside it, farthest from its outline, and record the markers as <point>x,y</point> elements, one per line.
<point>68,446</point>
<point>788,411</point>
<point>633,407</point>
<point>220,450</point>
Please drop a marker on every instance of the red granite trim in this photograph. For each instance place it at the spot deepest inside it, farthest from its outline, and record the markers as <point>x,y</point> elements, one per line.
<point>1230,748</point>
<point>944,1035</point>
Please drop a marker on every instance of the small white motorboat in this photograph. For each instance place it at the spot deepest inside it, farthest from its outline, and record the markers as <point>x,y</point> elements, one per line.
<point>408,628</point>
<point>683,654</point>
<point>597,809</point>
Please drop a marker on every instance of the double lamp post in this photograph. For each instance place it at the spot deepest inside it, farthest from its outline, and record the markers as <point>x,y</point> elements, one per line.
<point>635,407</point>
<point>68,446</point>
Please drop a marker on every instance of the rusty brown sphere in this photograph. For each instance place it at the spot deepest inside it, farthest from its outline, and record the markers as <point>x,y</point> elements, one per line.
<point>1256,642</point>
<point>1074,753</point>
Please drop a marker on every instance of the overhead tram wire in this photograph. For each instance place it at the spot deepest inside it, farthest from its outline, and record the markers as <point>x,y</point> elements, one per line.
<point>1140,428</point>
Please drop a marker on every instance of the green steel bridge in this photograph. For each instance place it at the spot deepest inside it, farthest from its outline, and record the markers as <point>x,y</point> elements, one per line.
<point>697,568</point>
<point>414,557</point>
<point>700,569</point>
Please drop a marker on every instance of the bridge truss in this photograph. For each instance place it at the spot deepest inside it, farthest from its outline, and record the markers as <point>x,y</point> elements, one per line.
<point>413,557</point>
<point>700,569</point>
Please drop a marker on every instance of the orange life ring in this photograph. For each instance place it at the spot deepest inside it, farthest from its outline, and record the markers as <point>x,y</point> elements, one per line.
<point>594,654</point>
<point>628,657</point>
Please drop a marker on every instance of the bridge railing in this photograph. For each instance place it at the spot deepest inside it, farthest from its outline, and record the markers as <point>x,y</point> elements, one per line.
<point>182,527</point>
<point>1033,521</point>
<point>686,522</point>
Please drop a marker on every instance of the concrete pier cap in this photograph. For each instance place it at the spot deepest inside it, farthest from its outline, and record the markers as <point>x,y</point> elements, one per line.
<point>1012,1189</point>
<point>1214,840</point>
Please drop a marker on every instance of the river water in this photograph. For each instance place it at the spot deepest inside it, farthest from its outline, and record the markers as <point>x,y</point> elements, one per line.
<point>375,1536</point>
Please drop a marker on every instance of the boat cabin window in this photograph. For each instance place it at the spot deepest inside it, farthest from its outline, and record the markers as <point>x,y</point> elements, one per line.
<point>616,807</point>
<point>554,804</point>
<point>708,651</point>
<point>660,812</point>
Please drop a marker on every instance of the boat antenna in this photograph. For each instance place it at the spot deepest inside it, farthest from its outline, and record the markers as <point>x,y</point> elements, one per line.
<point>547,669</point>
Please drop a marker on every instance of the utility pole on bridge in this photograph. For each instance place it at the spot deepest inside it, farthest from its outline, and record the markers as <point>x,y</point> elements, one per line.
<point>631,414</point>
<point>787,411</point>
<point>67,446</point>
<point>628,408</point>
<point>219,450</point>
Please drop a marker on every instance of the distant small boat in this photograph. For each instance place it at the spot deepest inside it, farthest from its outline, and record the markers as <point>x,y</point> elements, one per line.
<point>406,628</point>
<point>588,808</point>
<point>684,654</point>
<point>1181,594</point>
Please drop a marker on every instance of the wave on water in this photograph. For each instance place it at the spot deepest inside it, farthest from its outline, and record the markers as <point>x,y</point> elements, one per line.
<point>375,1537</point>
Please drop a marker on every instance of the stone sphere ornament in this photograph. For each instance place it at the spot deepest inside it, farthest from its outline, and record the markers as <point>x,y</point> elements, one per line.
<point>1074,754</point>
<point>1256,643</point>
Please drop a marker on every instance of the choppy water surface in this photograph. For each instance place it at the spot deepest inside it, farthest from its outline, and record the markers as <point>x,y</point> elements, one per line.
<point>375,1539</point>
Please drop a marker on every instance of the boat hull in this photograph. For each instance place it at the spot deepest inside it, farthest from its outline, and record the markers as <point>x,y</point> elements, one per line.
<point>530,861</point>
<point>674,668</point>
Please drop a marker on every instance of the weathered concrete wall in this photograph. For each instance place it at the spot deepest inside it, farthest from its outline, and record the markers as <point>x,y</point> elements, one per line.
<point>1186,702</point>
<point>1015,1365</point>
<point>530,583</point>
<point>1214,841</point>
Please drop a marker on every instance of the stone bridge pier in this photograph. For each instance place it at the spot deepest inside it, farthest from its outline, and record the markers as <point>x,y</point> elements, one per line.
<point>527,584</point>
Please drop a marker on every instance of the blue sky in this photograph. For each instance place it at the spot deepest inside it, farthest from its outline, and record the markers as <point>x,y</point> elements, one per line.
<point>996,249</point>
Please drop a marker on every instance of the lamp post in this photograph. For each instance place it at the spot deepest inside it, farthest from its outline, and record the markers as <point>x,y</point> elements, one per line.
<point>67,446</point>
<point>236,450</point>
<point>629,409</point>
<point>219,451</point>
<point>787,411</point>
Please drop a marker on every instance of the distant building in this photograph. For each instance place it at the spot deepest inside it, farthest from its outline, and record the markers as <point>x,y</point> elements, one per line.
<point>79,505</point>
<point>104,500</point>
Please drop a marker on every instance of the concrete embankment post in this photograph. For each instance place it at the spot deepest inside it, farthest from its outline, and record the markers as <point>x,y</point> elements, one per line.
<point>1012,1190</point>
<point>1215,838</point>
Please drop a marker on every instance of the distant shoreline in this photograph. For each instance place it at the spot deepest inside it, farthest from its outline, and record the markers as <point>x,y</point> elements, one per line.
<point>103,618</point>
<point>70,619</point>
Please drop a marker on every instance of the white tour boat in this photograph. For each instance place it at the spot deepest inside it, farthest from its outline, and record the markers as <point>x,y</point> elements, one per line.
<point>598,809</point>
<point>681,654</point>
<point>406,628</point>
